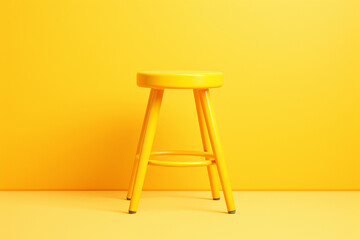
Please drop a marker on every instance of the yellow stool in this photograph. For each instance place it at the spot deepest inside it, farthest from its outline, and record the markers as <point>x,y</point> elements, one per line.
<point>200,82</point>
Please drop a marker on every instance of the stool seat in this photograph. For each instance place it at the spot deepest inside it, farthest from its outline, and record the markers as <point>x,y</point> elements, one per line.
<point>179,79</point>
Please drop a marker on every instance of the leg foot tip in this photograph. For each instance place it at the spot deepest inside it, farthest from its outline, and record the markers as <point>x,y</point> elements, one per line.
<point>216,198</point>
<point>128,198</point>
<point>232,212</point>
<point>132,212</point>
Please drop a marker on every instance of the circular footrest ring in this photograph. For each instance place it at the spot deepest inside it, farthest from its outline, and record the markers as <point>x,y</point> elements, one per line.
<point>181,164</point>
<point>209,161</point>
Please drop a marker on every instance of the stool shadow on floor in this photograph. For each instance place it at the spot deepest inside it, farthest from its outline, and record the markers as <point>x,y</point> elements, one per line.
<point>196,201</point>
<point>176,194</point>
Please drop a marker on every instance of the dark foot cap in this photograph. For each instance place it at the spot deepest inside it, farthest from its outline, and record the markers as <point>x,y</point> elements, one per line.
<point>232,212</point>
<point>132,212</point>
<point>216,198</point>
<point>128,198</point>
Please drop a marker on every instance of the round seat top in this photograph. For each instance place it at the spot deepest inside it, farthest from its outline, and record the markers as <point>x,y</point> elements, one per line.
<point>179,79</point>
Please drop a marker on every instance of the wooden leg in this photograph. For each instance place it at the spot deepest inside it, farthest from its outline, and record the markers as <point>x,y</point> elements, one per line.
<point>146,145</point>
<point>136,161</point>
<point>216,146</point>
<point>214,182</point>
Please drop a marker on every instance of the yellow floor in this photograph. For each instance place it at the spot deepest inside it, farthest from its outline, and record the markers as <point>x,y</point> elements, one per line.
<point>180,215</point>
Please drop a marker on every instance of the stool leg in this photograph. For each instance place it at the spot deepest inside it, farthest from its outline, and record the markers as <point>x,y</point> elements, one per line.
<point>216,146</point>
<point>146,145</point>
<point>136,161</point>
<point>214,182</point>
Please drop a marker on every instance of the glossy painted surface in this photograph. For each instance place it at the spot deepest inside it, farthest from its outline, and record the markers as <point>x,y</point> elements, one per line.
<point>211,143</point>
<point>150,123</point>
<point>179,79</point>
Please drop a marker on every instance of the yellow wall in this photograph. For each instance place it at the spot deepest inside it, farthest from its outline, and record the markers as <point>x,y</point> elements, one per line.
<point>288,114</point>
